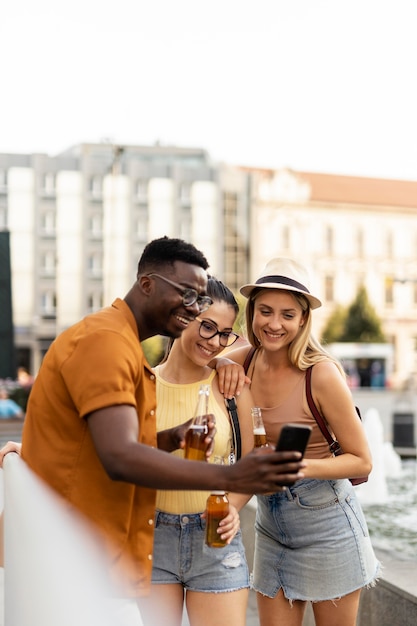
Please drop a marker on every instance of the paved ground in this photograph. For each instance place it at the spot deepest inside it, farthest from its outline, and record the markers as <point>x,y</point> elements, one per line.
<point>252,613</point>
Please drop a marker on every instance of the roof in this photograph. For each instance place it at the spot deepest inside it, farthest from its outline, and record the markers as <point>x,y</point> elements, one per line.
<point>350,189</point>
<point>357,190</point>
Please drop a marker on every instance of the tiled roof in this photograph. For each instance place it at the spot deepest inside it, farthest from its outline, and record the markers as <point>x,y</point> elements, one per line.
<point>356,190</point>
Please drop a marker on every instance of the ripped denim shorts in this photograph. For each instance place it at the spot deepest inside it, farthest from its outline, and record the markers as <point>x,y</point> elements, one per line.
<point>180,556</point>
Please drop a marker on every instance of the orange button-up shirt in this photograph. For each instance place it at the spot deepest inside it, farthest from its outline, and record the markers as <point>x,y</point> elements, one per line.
<point>98,362</point>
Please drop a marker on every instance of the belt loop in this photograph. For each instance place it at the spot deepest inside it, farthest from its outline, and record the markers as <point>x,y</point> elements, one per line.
<point>288,494</point>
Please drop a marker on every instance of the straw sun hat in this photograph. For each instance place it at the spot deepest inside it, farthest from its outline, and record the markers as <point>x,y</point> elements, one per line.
<point>285,274</point>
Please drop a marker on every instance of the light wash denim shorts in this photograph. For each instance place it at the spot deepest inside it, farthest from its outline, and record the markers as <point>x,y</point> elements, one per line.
<point>180,556</point>
<point>312,540</point>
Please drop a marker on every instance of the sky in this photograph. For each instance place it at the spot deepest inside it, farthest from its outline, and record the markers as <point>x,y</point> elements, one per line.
<point>314,85</point>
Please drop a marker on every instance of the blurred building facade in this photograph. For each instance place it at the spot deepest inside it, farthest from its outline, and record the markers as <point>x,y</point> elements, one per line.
<point>78,222</point>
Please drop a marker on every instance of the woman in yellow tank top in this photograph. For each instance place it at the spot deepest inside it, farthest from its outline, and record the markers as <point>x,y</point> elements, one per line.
<point>213,583</point>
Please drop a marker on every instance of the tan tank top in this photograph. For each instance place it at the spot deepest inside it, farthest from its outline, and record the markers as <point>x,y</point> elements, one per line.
<point>294,409</point>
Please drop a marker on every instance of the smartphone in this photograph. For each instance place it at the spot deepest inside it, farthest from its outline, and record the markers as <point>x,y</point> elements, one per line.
<point>293,437</point>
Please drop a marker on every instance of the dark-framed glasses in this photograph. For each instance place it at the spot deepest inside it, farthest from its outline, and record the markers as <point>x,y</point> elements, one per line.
<point>189,296</point>
<point>208,330</point>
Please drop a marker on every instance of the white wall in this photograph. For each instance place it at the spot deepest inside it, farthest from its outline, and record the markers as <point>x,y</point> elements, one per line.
<point>22,242</point>
<point>117,275</point>
<point>69,248</point>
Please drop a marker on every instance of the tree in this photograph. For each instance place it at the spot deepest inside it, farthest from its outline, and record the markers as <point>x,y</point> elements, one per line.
<point>358,323</point>
<point>335,325</point>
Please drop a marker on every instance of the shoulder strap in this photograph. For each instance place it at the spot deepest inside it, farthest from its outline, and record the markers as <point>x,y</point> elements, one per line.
<point>234,420</point>
<point>248,359</point>
<point>333,444</point>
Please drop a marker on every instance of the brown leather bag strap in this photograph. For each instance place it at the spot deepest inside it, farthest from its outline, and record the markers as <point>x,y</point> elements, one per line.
<point>333,444</point>
<point>248,359</point>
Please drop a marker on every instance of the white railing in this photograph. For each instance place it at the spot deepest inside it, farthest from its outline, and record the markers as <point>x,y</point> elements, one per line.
<point>53,572</point>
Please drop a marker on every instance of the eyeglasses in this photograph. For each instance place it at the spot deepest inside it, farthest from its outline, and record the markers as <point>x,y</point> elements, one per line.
<point>208,330</point>
<point>189,296</point>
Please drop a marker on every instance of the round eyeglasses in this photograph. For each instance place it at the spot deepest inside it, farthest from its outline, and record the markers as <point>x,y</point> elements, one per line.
<point>189,296</point>
<point>208,330</point>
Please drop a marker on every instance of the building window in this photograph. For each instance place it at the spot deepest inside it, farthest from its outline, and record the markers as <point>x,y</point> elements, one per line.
<point>141,226</point>
<point>3,218</point>
<point>235,260</point>
<point>389,246</point>
<point>95,225</point>
<point>95,301</point>
<point>185,193</point>
<point>48,304</point>
<point>329,240</point>
<point>48,263</point>
<point>48,223</point>
<point>142,191</point>
<point>329,288</point>
<point>94,265</point>
<point>285,237</point>
<point>389,290</point>
<point>48,184</point>
<point>360,243</point>
<point>96,187</point>
<point>3,180</point>
<point>185,229</point>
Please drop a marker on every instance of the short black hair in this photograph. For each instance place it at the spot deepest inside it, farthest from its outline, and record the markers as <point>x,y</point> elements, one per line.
<point>167,250</point>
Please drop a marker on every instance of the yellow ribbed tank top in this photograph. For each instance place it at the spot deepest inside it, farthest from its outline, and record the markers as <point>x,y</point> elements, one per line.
<point>176,403</point>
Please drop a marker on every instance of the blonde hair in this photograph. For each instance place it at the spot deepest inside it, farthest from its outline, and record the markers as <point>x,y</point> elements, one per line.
<point>305,350</point>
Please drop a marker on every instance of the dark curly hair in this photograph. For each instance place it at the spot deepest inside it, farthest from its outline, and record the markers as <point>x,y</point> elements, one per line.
<point>165,251</point>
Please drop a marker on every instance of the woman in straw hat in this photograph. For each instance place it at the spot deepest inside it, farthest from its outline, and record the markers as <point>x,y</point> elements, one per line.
<point>312,542</point>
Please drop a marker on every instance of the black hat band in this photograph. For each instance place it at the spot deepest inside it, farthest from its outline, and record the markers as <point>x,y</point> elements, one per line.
<point>283,280</point>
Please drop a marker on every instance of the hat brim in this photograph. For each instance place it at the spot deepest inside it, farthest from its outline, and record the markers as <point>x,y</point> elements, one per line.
<point>246,291</point>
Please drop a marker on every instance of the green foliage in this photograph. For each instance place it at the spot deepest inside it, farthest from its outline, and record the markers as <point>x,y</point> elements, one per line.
<point>358,323</point>
<point>335,325</point>
<point>154,349</point>
<point>240,324</point>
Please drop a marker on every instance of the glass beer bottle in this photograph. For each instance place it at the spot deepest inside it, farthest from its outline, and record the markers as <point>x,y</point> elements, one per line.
<point>216,509</point>
<point>259,434</point>
<point>195,448</point>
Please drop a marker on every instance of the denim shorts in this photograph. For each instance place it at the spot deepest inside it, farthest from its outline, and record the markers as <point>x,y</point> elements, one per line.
<point>180,556</point>
<point>312,540</point>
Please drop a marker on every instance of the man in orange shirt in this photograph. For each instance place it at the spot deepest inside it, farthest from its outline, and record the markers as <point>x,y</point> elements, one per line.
<point>90,428</point>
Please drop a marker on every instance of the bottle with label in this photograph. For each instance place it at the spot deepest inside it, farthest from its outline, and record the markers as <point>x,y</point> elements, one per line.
<point>216,509</point>
<point>259,434</point>
<point>195,447</point>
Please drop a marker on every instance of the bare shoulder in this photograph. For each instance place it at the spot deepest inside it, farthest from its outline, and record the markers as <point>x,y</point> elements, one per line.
<point>326,373</point>
<point>238,355</point>
<point>245,397</point>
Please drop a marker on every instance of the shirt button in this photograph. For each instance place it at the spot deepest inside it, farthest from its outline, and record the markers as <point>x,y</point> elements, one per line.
<point>152,412</point>
<point>149,557</point>
<point>152,376</point>
<point>150,522</point>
